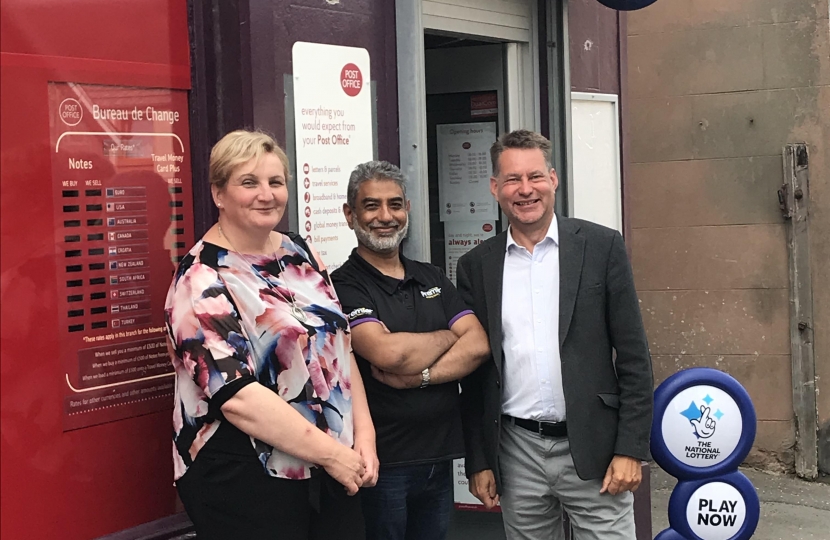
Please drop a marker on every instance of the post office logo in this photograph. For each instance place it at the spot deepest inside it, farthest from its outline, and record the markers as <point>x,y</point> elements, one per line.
<point>359,312</point>
<point>702,426</point>
<point>70,112</point>
<point>434,292</point>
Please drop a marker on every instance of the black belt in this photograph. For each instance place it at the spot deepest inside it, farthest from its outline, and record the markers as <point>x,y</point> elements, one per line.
<point>548,429</point>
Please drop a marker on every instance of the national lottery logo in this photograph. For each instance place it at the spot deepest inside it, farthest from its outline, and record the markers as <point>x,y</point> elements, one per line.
<point>705,426</point>
<point>701,419</point>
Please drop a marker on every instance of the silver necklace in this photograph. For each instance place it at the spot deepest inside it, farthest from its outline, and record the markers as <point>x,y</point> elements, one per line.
<point>295,310</point>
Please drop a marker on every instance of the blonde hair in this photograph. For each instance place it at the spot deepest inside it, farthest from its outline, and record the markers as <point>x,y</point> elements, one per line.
<point>238,147</point>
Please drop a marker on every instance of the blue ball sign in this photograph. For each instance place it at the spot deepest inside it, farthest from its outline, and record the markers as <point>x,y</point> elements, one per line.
<point>626,5</point>
<point>704,427</point>
<point>704,424</point>
<point>722,508</point>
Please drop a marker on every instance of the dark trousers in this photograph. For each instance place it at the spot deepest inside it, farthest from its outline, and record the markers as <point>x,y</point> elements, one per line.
<point>409,502</point>
<point>238,500</point>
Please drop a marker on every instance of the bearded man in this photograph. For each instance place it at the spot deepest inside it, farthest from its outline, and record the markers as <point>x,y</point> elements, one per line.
<point>413,338</point>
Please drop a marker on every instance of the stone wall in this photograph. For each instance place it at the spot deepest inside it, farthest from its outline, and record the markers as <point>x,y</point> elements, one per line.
<point>716,90</point>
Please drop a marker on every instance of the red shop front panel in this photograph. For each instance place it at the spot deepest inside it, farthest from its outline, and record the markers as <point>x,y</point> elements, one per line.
<point>96,211</point>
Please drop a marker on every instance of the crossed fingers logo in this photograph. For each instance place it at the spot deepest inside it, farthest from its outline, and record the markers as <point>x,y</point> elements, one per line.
<point>703,420</point>
<point>705,425</point>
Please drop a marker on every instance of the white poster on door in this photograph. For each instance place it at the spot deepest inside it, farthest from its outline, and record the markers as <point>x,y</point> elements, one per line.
<point>464,171</point>
<point>333,134</point>
<point>462,236</point>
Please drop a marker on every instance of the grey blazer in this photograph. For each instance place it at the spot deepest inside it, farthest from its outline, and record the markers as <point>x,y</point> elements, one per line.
<point>606,366</point>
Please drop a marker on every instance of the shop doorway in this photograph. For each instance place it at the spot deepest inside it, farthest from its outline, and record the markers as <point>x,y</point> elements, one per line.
<point>465,112</point>
<point>475,66</point>
<point>467,72</point>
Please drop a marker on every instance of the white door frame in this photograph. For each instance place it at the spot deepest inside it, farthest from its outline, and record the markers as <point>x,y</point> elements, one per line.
<point>517,30</point>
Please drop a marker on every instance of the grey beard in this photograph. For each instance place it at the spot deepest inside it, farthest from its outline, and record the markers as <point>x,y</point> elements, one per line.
<point>377,244</point>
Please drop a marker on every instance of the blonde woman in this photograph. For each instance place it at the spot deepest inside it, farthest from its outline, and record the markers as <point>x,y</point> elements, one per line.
<point>272,433</point>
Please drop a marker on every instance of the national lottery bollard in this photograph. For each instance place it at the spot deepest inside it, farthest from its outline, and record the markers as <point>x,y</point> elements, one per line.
<point>704,426</point>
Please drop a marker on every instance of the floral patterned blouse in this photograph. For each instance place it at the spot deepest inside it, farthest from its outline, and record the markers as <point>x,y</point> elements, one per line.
<point>230,324</point>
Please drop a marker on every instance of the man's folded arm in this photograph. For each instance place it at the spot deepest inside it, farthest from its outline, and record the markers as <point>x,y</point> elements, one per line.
<point>402,353</point>
<point>469,352</point>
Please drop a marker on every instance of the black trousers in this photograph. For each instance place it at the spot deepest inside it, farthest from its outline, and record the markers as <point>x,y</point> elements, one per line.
<point>237,500</point>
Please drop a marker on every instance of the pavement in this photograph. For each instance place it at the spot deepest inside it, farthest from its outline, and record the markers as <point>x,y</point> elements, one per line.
<point>791,508</point>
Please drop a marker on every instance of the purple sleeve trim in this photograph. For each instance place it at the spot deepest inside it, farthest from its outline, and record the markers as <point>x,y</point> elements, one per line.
<point>352,324</point>
<point>463,313</point>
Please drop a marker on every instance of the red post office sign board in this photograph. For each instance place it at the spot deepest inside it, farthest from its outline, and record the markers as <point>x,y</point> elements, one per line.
<point>122,200</point>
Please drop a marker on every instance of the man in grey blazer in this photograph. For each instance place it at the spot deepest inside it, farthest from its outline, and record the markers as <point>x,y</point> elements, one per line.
<point>560,417</point>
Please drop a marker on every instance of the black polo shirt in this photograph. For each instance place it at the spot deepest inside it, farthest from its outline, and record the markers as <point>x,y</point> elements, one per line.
<point>418,425</point>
